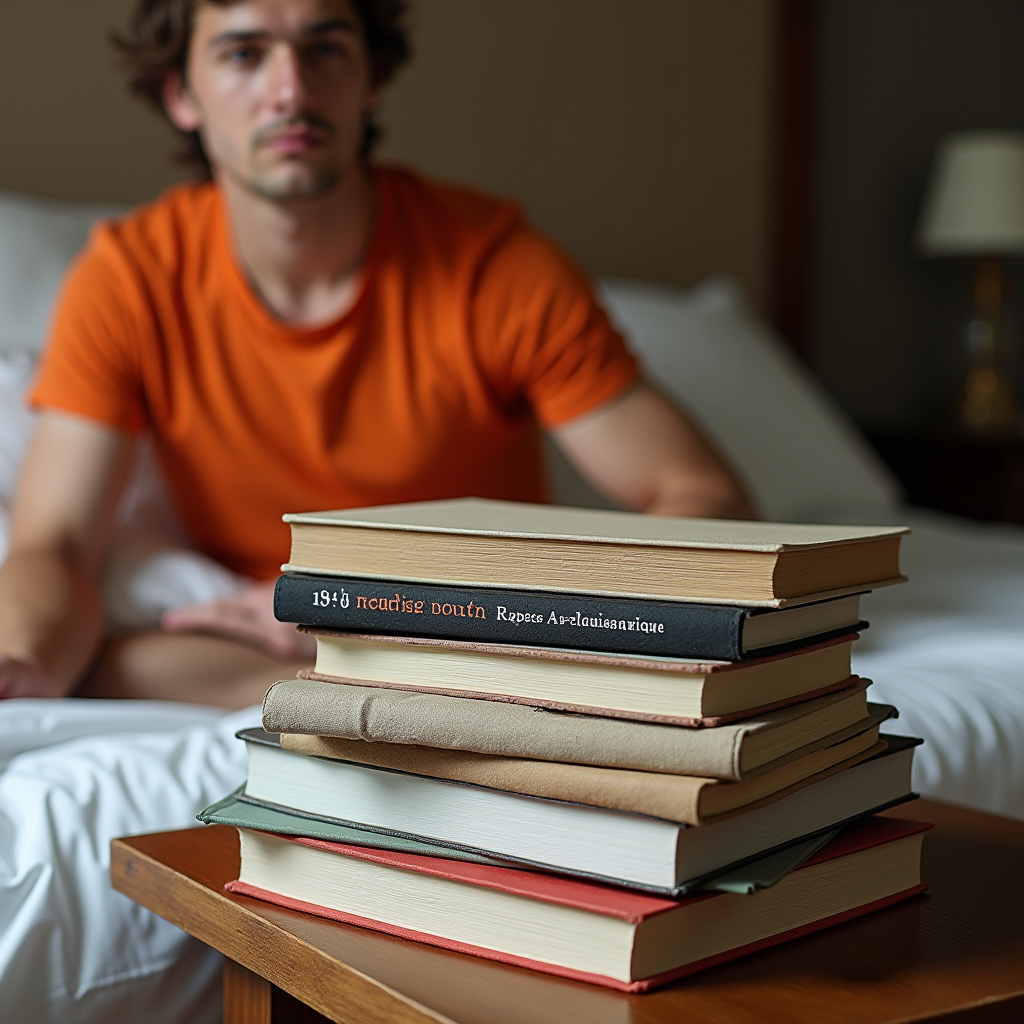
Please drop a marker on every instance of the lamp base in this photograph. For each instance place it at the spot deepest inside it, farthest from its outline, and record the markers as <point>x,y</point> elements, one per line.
<point>987,404</point>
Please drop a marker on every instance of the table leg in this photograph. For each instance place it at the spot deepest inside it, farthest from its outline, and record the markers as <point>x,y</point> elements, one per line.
<point>250,999</point>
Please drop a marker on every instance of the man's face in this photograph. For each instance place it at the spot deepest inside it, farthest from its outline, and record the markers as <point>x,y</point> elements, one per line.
<point>279,91</point>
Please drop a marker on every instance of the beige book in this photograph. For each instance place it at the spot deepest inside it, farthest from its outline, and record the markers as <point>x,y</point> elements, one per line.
<point>675,691</point>
<point>686,799</point>
<point>740,750</point>
<point>473,542</point>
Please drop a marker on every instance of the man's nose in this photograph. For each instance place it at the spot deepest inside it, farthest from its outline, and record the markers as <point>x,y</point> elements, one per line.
<point>287,86</point>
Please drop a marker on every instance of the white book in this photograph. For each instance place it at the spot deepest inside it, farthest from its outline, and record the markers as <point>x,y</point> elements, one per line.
<point>572,838</point>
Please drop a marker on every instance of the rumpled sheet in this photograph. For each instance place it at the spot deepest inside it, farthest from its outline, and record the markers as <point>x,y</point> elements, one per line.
<point>74,774</point>
<point>948,650</point>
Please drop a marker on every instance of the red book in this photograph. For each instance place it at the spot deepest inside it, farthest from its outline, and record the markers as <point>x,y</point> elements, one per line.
<point>590,932</point>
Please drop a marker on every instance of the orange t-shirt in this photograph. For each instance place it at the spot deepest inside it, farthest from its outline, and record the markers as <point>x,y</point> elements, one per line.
<point>469,329</point>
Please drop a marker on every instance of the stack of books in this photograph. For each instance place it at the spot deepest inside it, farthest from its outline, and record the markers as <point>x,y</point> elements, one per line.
<point>613,747</point>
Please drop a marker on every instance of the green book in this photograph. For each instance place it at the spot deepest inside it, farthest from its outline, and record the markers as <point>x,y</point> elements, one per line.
<point>243,812</point>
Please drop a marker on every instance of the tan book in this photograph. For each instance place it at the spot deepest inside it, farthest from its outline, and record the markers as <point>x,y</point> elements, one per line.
<point>473,542</point>
<point>673,691</point>
<point>686,799</point>
<point>743,750</point>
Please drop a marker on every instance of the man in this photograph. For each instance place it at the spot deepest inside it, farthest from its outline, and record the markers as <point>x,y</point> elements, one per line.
<point>305,331</point>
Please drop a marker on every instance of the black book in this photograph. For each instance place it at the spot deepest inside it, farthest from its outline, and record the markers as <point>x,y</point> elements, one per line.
<point>675,629</point>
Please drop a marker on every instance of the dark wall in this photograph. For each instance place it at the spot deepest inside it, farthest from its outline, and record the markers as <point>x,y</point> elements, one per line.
<point>893,76</point>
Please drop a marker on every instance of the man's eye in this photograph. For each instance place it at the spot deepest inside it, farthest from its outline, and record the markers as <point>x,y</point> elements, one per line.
<point>325,49</point>
<point>242,56</point>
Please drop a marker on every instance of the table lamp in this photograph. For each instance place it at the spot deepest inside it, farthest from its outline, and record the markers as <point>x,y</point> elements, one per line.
<point>974,207</point>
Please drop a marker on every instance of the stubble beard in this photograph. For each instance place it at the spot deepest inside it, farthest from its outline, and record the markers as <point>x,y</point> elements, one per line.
<point>313,183</point>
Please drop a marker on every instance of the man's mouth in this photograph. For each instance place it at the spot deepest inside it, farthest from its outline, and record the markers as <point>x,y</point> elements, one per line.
<point>293,140</point>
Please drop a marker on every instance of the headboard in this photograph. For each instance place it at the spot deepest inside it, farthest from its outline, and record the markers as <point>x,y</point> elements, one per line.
<point>664,140</point>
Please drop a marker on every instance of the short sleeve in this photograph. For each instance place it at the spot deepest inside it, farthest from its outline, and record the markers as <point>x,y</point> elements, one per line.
<point>90,367</point>
<point>541,334</point>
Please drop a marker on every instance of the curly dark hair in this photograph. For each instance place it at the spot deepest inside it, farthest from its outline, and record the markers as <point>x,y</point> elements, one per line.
<point>157,41</point>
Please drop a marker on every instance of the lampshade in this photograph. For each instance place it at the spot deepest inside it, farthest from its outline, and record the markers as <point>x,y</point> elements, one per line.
<point>974,205</point>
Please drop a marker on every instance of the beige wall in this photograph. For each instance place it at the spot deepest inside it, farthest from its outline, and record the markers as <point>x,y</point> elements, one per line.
<point>67,127</point>
<point>635,131</point>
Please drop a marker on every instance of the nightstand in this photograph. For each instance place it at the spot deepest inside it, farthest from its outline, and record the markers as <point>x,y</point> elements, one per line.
<point>954,955</point>
<point>981,476</point>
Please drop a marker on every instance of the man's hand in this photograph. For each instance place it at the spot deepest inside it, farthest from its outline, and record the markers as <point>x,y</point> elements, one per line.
<point>19,679</point>
<point>249,617</point>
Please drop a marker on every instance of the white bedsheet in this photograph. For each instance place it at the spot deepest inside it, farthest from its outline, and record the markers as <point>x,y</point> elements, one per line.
<point>948,650</point>
<point>74,774</point>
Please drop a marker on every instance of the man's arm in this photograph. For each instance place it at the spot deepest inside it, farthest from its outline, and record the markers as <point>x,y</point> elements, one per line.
<point>641,452</point>
<point>51,618</point>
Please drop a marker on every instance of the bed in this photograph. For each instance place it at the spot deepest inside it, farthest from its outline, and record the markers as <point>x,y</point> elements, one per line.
<point>948,649</point>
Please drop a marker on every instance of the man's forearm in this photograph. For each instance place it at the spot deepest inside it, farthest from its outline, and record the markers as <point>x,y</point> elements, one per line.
<point>640,451</point>
<point>714,496</point>
<point>51,616</point>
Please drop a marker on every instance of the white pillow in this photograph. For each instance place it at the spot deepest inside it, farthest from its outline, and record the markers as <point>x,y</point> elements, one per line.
<point>15,420</point>
<point>801,458</point>
<point>38,240</point>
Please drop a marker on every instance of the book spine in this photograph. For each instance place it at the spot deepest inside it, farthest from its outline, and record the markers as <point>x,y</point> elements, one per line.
<point>666,629</point>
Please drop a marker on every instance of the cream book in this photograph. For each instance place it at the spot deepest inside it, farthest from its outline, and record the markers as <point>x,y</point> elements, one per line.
<point>477,542</point>
<point>595,933</point>
<point>674,691</point>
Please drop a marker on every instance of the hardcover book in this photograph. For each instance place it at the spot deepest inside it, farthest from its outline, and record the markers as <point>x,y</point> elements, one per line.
<point>241,811</point>
<point>593,933</point>
<point>747,749</point>
<point>584,622</point>
<point>473,542</point>
<point>674,691</point>
<point>554,834</point>
<point>686,799</point>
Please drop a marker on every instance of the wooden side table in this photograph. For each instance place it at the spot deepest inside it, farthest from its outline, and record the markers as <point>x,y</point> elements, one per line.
<point>979,476</point>
<point>956,954</point>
